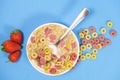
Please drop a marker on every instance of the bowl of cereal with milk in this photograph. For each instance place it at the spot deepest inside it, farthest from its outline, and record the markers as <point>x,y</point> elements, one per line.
<point>49,60</point>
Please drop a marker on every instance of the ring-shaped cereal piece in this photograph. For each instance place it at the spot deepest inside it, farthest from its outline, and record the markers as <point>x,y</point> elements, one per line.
<point>102,44</point>
<point>101,37</point>
<point>93,56</point>
<point>86,31</point>
<point>94,34</point>
<point>81,35</point>
<point>108,42</point>
<point>91,41</point>
<point>82,57</point>
<point>95,51</point>
<point>80,53</point>
<point>88,55</point>
<point>109,24</point>
<point>103,30</point>
<point>99,46</point>
<point>89,46</point>
<point>82,47</point>
<point>84,41</point>
<point>42,40</point>
<point>88,37</point>
<point>113,33</point>
<point>96,40</point>
<point>47,50</point>
<point>34,55</point>
<point>92,29</point>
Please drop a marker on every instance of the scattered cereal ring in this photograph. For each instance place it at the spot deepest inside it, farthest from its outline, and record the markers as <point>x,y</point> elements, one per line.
<point>52,70</point>
<point>86,31</point>
<point>95,46</point>
<point>99,46</point>
<point>102,44</point>
<point>96,40</point>
<point>63,57</point>
<point>88,37</point>
<point>113,33</point>
<point>84,41</point>
<point>42,61</point>
<point>82,57</point>
<point>89,46</point>
<point>107,42</point>
<point>81,35</point>
<point>92,29</point>
<point>103,30</point>
<point>93,56</point>
<point>88,55</point>
<point>101,37</point>
<point>95,51</point>
<point>82,47</point>
<point>34,55</point>
<point>94,34</point>
<point>73,57</point>
<point>109,24</point>
<point>91,41</point>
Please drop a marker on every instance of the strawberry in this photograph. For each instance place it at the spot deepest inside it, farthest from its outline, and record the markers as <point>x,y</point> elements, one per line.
<point>16,36</point>
<point>13,57</point>
<point>10,46</point>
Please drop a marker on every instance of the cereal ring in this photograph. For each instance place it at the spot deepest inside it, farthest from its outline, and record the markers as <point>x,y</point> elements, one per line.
<point>83,48</point>
<point>99,46</point>
<point>80,53</point>
<point>108,42</point>
<point>103,30</point>
<point>96,40</point>
<point>93,56</point>
<point>88,55</point>
<point>88,37</point>
<point>41,54</point>
<point>91,41</point>
<point>109,24</point>
<point>89,46</point>
<point>95,46</point>
<point>74,44</point>
<point>54,57</point>
<point>95,51</point>
<point>86,31</point>
<point>34,55</point>
<point>52,70</point>
<point>42,61</point>
<point>94,34</point>
<point>82,57</point>
<point>102,44</point>
<point>101,37</point>
<point>84,41</point>
<point>113,33</point>
<point>48,57</point>
<point>92,29</point>
<point>52,38</point>
<point>73,57</point>
<point>81,35</point>
<point>47,50</point>
<point>47,31</point>
<point>46,66</point>
<point>32,39</point>
<point>69,65</point>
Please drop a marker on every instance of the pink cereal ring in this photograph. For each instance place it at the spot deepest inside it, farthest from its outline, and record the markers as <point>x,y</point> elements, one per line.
<point>101,37</point>
<point>52,37</point>
<point>107,42</point>
<point>92,29</point>
<point>74,44</point>
<point>102,44</point>
<point>84,41</point>
<point>73,57</point>
<point>47,31</point>
<point>96,40</point>
<point>42,61</point>
<point>113,33</point>
<point>41,54</point>
<point>54,56</point>
<point>32,39</point>
<point>96,46</point>
<point>52,70</point>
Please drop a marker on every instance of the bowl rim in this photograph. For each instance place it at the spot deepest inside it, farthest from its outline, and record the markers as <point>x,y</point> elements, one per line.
<point>34,65</point>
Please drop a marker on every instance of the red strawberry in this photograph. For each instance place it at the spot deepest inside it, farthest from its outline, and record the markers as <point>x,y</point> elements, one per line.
<point>10,46</point>
<point>13,57</point>
<point>16,36</point>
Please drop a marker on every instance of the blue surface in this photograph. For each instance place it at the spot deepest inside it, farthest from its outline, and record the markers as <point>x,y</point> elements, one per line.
<point>26,15</point>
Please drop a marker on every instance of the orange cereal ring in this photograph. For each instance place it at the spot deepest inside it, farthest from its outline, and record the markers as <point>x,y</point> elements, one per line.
<point>84,41</point>
<point>102,44</point>
<point>113,33</point>
<point>101,37</point>
<point>108,42</point>
<point>95,46</point>
<point>92,29</point>
<point>91,41</point>
<point>96,40</point>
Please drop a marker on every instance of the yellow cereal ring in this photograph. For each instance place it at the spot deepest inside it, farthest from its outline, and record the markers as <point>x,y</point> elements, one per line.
<point>82,57</point>
<point>88,37</point>
<point>89,46</point>
<point>47,50</point>
<point>34,55</point>
<point>109,24</point>
<point>103,30</point>
<point>93,56</point>
<point>80,53</point>
<point>68,45</point>
<point>81,35</point>
<point>95,51</point>
<point>46,66</point>
<point>88,55</point>
<point>94,34</point>
<point>69,65</point>
<point>82,47</point>
<point>99,46</point>
<point>48,57</point>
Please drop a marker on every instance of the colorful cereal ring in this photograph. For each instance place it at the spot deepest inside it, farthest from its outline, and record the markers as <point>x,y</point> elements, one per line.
<point>109,24</point>
<point>101,37</point>
<point>113,33</point>
<point>52,70</point>
<point>108,42</point>
<point>84,41</point>
<point>92,29</point>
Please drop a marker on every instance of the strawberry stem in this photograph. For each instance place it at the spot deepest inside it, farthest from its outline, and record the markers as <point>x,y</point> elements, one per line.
<point>15,32</point>
<point>2,48</point>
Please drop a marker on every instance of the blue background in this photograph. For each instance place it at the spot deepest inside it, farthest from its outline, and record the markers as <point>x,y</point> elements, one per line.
<point>26,15</point>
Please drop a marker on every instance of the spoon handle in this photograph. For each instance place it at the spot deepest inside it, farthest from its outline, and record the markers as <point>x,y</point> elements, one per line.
<point>79,18</point>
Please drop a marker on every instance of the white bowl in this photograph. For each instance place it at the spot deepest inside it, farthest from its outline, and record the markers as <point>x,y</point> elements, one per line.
<point>35,66</point>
